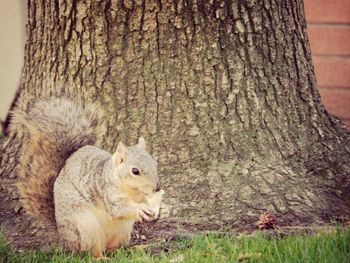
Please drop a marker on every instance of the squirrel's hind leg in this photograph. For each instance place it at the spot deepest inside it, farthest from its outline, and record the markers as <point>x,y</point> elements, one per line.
<point>83,232</point>
<point>119,235</point>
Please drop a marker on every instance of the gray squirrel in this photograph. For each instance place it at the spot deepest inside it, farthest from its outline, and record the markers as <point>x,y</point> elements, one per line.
<point>90,197</point>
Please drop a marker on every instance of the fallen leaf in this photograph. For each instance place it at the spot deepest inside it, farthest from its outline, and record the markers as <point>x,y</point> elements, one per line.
<point>266,221</point>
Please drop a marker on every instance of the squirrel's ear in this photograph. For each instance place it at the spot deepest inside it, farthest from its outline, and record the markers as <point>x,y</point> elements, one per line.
<point>142,143</point>
<point>120,154</point>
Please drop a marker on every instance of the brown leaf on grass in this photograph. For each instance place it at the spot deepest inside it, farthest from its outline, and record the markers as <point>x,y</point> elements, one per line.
<point>246,256</point>
<point>266,221</point>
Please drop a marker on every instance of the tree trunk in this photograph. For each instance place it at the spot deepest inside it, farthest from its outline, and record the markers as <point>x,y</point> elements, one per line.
<point>223,91</point>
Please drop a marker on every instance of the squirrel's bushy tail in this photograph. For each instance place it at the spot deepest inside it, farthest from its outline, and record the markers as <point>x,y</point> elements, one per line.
<point>53,130</point>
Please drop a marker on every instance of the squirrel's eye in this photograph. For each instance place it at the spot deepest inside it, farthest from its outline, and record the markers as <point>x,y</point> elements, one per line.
<point>135,171</point>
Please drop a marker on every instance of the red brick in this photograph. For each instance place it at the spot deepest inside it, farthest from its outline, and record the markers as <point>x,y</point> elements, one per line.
<point>337,102</point>
<point>329,40</point>
<point>332,72</point>
<point>327,11</point>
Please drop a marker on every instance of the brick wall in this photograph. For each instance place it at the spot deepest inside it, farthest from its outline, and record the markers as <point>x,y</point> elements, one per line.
<point>329,35</point>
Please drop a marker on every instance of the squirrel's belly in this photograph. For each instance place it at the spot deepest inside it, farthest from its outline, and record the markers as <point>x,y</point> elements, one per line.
<point>111,227</point>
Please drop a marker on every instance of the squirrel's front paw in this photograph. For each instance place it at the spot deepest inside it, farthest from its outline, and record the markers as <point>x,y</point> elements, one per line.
<point>164,211</point>
<point>145,213</point>
<point>154,202</point>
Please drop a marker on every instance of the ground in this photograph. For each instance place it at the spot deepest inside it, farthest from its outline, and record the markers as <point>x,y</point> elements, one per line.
<point>316,244</point>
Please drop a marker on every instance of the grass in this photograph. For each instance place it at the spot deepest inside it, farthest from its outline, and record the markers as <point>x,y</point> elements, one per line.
<point>326,247</point>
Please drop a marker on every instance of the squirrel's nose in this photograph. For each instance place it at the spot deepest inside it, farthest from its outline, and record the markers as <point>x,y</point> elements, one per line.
<point>157,188</point>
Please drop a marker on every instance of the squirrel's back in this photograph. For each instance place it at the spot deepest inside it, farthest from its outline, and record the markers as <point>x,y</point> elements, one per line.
<point>53,129</point>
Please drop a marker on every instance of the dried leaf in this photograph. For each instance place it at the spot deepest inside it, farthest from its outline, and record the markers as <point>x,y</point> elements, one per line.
<point>266,221</point>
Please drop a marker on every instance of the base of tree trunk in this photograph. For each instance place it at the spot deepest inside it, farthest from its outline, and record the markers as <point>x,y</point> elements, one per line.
<point>301,197</point>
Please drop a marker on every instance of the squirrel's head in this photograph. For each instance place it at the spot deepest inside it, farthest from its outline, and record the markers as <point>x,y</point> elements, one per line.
<point>136,168</point>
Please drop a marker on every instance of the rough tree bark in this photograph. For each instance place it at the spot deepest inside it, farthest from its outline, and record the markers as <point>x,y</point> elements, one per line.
<point>223,91</point>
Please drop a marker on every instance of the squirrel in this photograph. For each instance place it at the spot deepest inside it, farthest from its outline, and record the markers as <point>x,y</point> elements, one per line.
<point>90,197</point>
